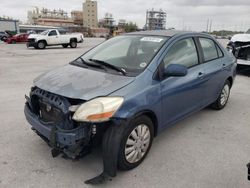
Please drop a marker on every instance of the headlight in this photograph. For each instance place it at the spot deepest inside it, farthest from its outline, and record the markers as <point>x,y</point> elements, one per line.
<point>98,110</point>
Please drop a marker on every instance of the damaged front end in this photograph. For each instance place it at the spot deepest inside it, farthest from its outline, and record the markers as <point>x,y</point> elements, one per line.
<point>50,116</point>
<point>51,119</point>
<point>240,47</point>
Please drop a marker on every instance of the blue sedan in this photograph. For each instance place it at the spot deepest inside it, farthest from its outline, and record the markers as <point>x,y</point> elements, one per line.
<point>126,91</point>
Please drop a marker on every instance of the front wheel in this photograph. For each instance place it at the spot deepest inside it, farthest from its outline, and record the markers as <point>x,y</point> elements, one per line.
<point>41,45</point>
<point>222,100</point>
<point>135,143</point>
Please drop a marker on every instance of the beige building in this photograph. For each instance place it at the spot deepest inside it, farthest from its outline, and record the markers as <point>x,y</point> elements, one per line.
<point>49,17</point>
<point>90,14</point>
<point>54,22</point>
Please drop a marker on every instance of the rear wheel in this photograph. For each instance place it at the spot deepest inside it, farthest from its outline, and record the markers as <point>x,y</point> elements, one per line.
<point>13,42</point>
<point>41,45</point>
<point>221,101</point>
<point>73,44</point>
<point>136,143</point>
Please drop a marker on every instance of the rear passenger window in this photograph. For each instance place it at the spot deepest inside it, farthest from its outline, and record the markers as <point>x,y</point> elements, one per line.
<point>182,52</point>
<point>209,49</point>
<point>220,54</point>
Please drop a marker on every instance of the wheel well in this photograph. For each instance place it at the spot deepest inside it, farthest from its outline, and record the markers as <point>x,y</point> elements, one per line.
<point>230,79</point>
<point>73,39</point>
<point>153,117</point>
<point>42,41</point>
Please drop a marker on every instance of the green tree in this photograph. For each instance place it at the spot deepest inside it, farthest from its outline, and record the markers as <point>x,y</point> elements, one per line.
<point>130,27</point>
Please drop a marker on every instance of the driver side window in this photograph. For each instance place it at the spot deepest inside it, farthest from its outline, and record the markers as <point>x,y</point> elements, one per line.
<point>182,52</point>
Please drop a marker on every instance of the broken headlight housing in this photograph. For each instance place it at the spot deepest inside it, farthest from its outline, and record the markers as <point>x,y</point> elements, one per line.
<point>97,110</point>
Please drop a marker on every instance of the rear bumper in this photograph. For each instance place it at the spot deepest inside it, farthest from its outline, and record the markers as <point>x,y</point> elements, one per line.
<point>80,41</point>
<point>62,137</point>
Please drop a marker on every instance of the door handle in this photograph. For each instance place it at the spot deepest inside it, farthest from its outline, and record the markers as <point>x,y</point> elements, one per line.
<point>224,66</point>
<point>200,74</point>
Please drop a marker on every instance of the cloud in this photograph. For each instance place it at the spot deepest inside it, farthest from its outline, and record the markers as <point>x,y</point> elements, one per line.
<point>181,14</point>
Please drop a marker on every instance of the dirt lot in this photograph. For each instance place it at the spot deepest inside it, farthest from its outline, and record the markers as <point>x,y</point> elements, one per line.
<point>209,149</point>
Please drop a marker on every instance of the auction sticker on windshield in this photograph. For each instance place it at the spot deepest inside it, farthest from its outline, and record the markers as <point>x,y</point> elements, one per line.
<point>151,39</point>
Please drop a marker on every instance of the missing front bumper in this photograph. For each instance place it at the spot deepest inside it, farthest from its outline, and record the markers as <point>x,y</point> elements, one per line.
<point>70,142</point>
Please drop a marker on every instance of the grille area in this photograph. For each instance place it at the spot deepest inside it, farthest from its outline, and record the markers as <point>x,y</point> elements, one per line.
<point>49,113</point>
<point>31,40</point>
<point>51,108</point>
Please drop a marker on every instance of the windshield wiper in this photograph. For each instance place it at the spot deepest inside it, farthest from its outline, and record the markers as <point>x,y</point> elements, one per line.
<point>118,69</point>
<point>90,64</point>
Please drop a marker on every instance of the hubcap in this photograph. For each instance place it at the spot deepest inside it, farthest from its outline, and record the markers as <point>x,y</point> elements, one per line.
<point>40,45</point>
<point>137,143</point>
<point>73,44</point>
<point>224,95</point>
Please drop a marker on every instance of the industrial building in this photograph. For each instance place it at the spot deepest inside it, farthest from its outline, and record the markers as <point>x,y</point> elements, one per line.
<point>48,17</point>
<point>77,17</point>
<point>9,25</point>
<point>90,14</point>
<point>155,20</point>
<point>107,22</point>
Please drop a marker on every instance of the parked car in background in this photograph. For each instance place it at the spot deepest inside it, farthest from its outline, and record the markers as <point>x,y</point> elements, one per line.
<point>239,45</point>
<point>54,37</point>
<point>126,91</point>
<point>22,37</point>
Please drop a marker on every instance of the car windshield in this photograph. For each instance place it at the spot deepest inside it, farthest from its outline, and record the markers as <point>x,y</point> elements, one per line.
<point>44,32</point>
<point>130,53</point>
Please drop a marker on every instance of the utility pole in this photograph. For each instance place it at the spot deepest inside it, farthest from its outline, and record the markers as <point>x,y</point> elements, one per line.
<point>210,28</point>
<point>207,25</point>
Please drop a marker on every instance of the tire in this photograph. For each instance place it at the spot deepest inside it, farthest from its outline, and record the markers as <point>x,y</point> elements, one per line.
<point>41,45</point>
<point>222,100</point>
<point>129,161</point>
<point>65,45</point>
<point>13,42</point>
<point>73,44</point>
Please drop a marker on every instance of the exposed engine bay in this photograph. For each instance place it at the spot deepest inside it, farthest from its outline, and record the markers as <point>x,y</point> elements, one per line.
<point>240,47</point>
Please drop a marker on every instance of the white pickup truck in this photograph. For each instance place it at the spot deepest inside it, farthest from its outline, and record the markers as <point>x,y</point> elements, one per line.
<point>54,37</point>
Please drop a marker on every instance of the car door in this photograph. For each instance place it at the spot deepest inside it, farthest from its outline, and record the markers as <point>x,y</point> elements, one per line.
<point>214,69</point>
<point>53,38</point>
<point>182,95</point>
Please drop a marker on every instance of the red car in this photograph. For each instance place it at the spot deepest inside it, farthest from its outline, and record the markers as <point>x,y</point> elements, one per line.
<point>22,37</point>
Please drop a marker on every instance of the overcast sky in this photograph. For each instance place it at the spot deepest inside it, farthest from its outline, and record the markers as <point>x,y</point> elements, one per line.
<point>181,14</point>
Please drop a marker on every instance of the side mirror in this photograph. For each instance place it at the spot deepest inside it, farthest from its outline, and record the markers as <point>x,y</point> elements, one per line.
<point>175,70</point>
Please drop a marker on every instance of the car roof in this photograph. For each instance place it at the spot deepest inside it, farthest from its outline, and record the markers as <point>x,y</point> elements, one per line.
<point>167,33</point>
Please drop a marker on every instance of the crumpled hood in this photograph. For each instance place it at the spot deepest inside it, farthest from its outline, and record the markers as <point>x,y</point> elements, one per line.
<point>81,83</point>
<point>241,38</point>
<point>32,36</point>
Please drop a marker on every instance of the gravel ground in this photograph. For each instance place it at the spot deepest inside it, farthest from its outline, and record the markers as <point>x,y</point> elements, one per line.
<point>209,149</point>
